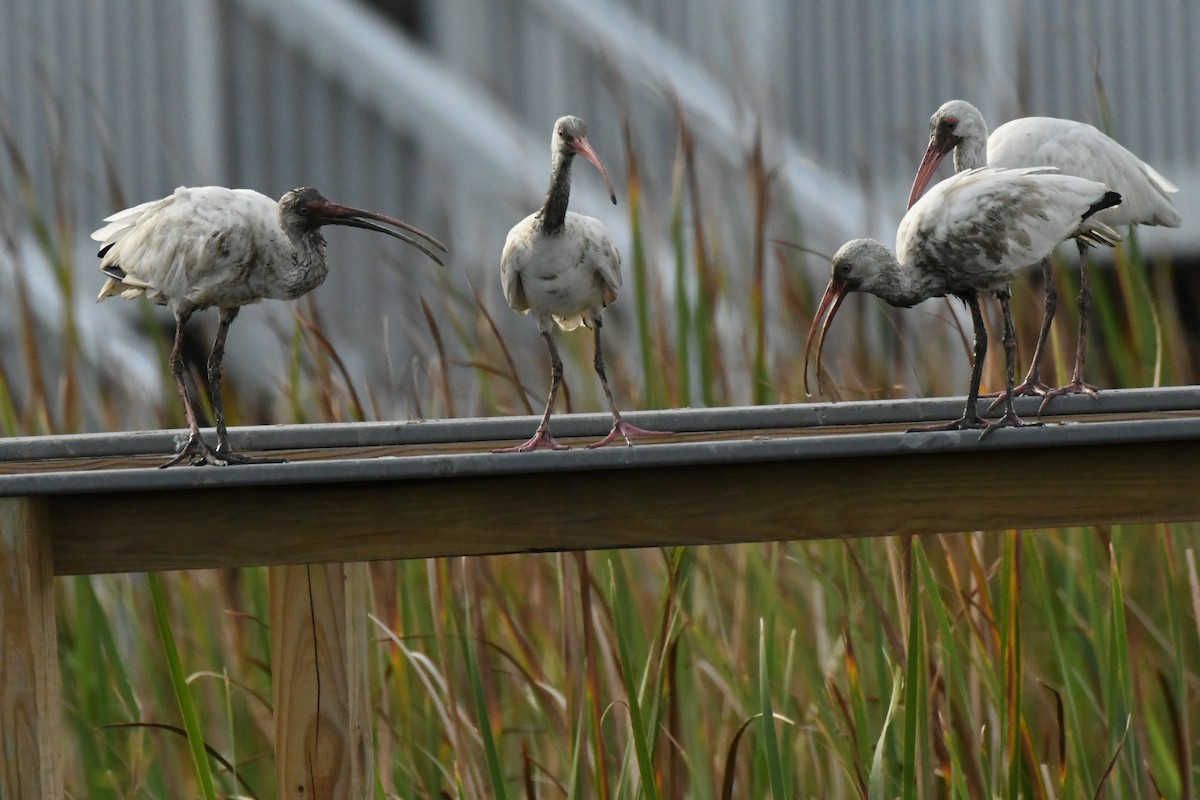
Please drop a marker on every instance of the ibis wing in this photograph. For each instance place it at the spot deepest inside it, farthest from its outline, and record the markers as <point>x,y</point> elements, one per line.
<point>979,227</point>
<point>600,253</point>
<point>1077,148</point>
<point>176,246</point>
<point>510,265</point>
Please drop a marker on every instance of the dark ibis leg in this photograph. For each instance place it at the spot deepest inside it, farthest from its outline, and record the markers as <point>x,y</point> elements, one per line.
<point>542,437</point>
<point>970,417</point>
<point>1077,384</point>
<point>1009,418</point>
<point>194,451</point>
<point>620,428</point>
<point>224,453</point>
<point>1033,385</point>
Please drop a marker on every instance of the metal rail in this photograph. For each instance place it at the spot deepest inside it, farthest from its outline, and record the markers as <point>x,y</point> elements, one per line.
<point>430,489</point>
<point>706,436</point>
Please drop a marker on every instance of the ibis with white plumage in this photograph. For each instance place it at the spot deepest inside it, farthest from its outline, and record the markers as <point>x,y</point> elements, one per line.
<point>209,246</point>
<point>563,269</point>
<point>968,236</point>
<point>1074,148</point>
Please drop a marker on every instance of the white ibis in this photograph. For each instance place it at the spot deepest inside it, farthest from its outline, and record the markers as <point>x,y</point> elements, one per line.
<point>211,246</point>
<point>563,269</point>
<point>1075,148</point>
<point>969,235</point>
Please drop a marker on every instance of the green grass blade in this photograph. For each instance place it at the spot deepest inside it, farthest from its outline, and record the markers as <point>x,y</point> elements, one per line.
<point>683,311</point>
<point>491,753</point>
<point>187,709</point>
<point>641,282</point>
<point>770,741</point>
<point>1120,666</point>
<point>1011,603</point>
<point>877,785</point>
<point>641,747</point>
<point>913,683</point>
<point>953,668</point>
<point>761,180</point>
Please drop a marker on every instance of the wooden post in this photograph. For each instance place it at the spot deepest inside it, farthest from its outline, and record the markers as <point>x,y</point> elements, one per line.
<point>30,687</point>
<point>319,681</point>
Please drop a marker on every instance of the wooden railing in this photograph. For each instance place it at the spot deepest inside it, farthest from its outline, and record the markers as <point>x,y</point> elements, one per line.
<point>355,493</point>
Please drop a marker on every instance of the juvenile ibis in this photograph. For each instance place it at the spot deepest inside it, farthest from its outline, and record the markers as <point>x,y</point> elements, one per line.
<point>211,246</point>
<point>968,236</point>
<point>1075,148</point>
<point>563,269</point>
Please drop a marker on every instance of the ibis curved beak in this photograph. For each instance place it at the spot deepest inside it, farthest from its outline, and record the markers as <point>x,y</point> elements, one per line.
<point>335,214</point>
<point>939,146</point>
<point>835,293</point>
<point>584,148</point>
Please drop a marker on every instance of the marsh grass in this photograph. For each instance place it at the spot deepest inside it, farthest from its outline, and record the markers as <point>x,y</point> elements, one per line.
<point>1055,664</point>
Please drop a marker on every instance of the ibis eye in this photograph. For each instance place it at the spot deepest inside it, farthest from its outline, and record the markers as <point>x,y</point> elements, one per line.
<point>304,211</point>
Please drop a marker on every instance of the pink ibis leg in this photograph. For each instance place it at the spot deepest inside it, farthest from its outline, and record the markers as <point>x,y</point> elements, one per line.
<point>195,450</point>
<point>620,429</point>
<point>542,437</point>
<point>1078,385</point>
<point>224,453</point>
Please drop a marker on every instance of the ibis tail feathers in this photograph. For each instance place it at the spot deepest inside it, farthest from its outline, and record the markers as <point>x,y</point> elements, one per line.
<point>120,283</point>
<point>1109,200</point>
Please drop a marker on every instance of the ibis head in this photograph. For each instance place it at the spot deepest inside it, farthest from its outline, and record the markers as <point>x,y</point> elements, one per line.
<point>306,209</point>
<point>570,139</point>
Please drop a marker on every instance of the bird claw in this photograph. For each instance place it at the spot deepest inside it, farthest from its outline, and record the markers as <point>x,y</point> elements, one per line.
<point>628,432</point>
<point>1077,386</point>
<point>197,453</point>
<point>1009,420</point>
<point>540,439</point>
<point>963,423</point>
<point>1034,388</point>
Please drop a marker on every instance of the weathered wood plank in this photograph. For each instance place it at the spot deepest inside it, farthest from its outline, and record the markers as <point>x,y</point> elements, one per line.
<point>642,507</point>
<point>319,681</point>
<point>30,688</point>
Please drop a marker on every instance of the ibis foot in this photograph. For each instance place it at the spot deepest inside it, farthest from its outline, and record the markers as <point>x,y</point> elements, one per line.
<point>540,439</point>
<point>1008,420</point>
<point>195,452</point>
<point>1030,388</point>
<point>1076,386</point>
<point>623,430</point>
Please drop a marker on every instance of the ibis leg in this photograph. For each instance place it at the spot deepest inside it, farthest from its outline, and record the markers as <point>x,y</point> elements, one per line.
<point>970,417</point>
<point>1009,418</point>
<point>215,373</point>
<point>620,428</point>
<point>542,437</point>
<point>194,451</point>
<point>1077,384</point>
<point>1032,384</point>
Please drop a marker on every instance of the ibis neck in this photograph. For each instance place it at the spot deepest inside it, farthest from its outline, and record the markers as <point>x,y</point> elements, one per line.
<point>554,210</point>
<point>971,152</point>
<point>903,286</point>
<point>307,268</point>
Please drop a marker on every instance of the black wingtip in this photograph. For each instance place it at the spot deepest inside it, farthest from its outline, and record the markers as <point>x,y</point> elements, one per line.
<point>105,249</point>
<point>1109,200</point>
<point>114,271</point>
